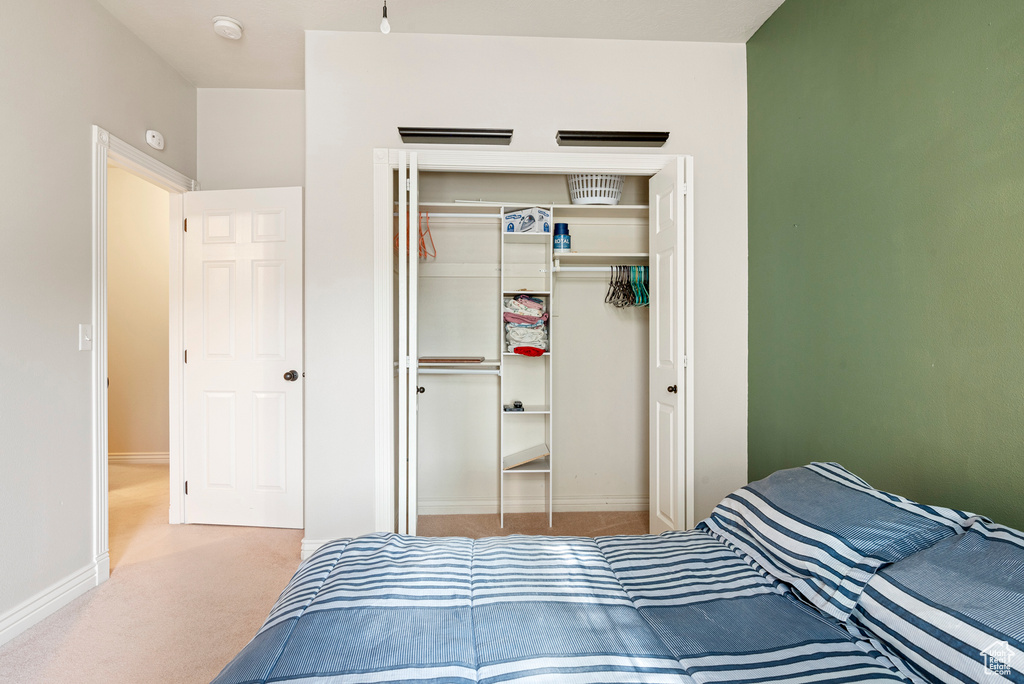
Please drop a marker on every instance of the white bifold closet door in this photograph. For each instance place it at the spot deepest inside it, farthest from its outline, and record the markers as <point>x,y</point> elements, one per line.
<point>670,471</point>
<point>408,336</point>
<point>243,371</point>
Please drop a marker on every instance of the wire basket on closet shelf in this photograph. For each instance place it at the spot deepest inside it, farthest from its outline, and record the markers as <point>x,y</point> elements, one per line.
<point>595,188</point>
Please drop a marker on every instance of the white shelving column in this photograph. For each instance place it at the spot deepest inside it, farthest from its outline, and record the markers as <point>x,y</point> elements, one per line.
<point>538,458</point>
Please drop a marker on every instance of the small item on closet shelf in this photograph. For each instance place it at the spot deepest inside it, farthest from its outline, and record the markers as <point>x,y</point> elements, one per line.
<point>595,188</point>
<point>514,407</point>
<point>563,240</point>
<point>535,220</point>
<point>528,351</point>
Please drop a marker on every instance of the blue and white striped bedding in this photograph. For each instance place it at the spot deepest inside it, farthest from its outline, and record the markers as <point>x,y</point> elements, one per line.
<point>953,612</point>
<point>726,621</point>
<point>824,531</point>
<point>679,608</point>
<point>809,575</point>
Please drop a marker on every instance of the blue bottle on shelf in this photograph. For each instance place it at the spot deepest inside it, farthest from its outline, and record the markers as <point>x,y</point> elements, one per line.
<point>563,241</point>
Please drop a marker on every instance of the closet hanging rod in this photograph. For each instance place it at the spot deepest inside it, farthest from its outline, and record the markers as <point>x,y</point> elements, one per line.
<point>423,371</point>
<point>434,214</point>
<point>584,269</point>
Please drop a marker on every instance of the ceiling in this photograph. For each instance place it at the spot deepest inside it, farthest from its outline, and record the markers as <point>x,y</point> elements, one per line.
<point>270,54</point>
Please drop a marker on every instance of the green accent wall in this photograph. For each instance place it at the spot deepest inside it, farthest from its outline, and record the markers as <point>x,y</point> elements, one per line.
<point>886,162</point>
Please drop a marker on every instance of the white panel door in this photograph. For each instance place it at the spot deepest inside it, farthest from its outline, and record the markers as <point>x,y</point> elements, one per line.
<point>668,505</point>
<point>243,370</point>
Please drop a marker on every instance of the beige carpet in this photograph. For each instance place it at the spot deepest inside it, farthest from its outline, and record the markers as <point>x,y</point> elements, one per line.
<point>569,524</point>
<point>180,602</point>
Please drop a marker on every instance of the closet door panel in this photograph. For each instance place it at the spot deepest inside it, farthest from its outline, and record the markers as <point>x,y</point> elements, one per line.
<point>457,442</point>
<point>667,398</point>
<point>402,371</point>
<point>414,394</point>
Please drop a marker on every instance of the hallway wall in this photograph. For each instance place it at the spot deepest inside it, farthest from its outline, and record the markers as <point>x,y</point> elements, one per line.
<point>137,289</point>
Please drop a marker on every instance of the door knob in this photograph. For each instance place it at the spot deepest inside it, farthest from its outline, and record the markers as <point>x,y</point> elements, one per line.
<point>672,389</point>
<point>291,376</point>
<point>421,390</point>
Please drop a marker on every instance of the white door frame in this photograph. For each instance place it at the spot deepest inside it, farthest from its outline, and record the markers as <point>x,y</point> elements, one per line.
<point>385,161</point>
<point>109,149</point>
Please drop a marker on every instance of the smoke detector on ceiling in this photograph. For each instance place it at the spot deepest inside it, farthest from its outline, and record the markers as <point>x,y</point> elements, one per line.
<point>227,27</point>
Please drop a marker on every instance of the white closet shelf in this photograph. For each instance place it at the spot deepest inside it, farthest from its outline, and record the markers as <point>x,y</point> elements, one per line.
<point>535,459</point>
<point>486,367</point>
<point>460,364</point>
<point>598,257</point>
<point>530,238</point>
<point>524,355</point>
<point>458,371</point>
<point>542,465</point>
<point>562,207</point>
<point>536,409</point>
<point>543,293</point>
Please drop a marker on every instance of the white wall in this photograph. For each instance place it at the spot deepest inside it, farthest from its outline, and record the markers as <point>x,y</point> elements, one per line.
<point>361,86</point>
<point>250,138</point>
<point>64,66</point>
<point>138,216</point>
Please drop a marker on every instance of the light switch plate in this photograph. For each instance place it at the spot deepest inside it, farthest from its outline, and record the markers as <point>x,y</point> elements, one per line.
<point>84,337</point>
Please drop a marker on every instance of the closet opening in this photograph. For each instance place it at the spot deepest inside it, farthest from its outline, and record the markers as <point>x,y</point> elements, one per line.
<point>576,458</point>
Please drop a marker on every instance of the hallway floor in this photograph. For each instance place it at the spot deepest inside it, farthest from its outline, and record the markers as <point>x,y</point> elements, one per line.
<point>180,602</point>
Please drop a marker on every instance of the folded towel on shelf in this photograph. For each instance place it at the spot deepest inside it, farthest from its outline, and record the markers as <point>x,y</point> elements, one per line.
<point>525,324</point>
<point>527,351</point>
<point>525,320</point>
<point>521,334</point>
<point>523,308</point>
<point>535,345</point>
<point>532,302</point>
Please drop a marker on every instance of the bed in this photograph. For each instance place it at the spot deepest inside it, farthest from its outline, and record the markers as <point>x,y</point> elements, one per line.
<point>792,579</point>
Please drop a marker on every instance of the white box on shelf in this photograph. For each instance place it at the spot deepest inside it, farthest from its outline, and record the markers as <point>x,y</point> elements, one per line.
<point>535,220</point>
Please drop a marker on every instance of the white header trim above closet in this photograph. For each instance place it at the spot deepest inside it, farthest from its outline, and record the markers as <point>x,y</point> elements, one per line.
<point>536,162</point>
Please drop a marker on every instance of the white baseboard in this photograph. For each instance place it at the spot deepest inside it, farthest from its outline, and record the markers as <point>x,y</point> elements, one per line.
<point>46,602</point>
<point>471,505</point>
<point>311,545</point>
<point>143,457</point>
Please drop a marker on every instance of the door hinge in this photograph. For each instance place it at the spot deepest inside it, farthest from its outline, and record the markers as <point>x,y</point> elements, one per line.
<point>186,225</point>
<point>684,188</point>
<point>408,362</point>
<point>186,487</point>
<point>686,362</point>
<point>408,183</point>
<point>186,356</point>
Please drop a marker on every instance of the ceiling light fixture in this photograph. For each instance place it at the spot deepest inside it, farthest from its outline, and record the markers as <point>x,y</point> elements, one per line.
<point>385,27</point>
<point>227,27</point>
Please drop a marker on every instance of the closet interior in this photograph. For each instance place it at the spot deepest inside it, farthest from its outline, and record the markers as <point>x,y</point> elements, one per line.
<point>585,399</point>
<point>528,369</point>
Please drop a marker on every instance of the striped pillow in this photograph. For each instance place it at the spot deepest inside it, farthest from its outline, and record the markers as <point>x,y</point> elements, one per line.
<point>824,531</point>
<point>955,611</point>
